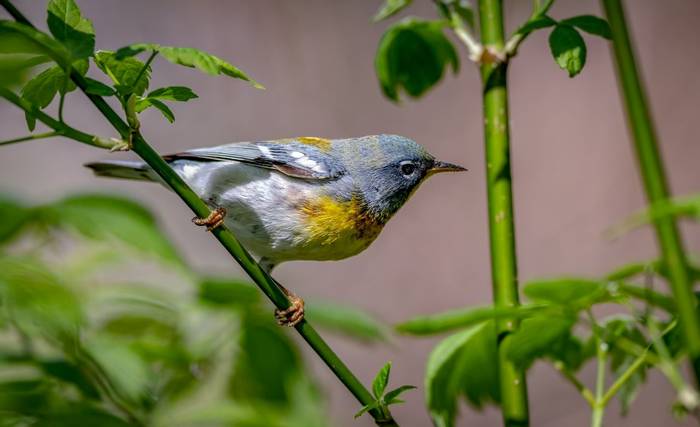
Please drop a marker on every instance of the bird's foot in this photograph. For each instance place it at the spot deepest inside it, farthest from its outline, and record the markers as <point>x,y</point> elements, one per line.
<point>215,219</point>
<point>292,315</point>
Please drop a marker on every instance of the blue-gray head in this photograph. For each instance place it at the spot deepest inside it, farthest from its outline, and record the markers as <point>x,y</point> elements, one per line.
<point>388,169</point>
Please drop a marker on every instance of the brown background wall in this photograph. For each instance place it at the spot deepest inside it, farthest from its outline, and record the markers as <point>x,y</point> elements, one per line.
<point>573,167</point>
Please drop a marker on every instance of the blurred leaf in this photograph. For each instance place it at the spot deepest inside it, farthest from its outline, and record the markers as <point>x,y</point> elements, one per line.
<point>570,351</point>
<point>345,320</point>
<point>96,87</point>
<point>103,217</point>
<point>390,8</point>
<point>628,391</point>
<point>69,27</point>
<point>227,292</point>
<point>649,296</point>
<point>20,38</point>
<point>535,337</point>
<point>173,93</point>
<point>686,206</point>
<point>381,380</point>
<point>267,362</point>
<point>574,292</point>
<point>15,67</point>
<point>568,49</point>
<point>36,300</point>
<point>126,370</point>
<point>70,373</point>
<point>80,414</point>
<point>190,57</point>
<point>463,363</point>
<point>461,8</point>
<point>412,56</point>
<point>441,322</point>
<point>27,397</point>
<point>590,24</point>
<point>14,215</point>
<point>124,72</point>
<point>158,105</point>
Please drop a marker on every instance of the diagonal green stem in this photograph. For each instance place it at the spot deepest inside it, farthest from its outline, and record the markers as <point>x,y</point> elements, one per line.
<point>30,137</point>
<point>500,206</point>
<point>226,238</point>
<point>651,167</point>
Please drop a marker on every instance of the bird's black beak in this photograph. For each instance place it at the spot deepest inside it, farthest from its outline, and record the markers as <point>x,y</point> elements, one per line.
<point>439,166</point>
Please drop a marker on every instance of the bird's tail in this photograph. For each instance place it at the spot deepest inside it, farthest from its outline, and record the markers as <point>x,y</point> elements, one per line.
<point>123,169</point>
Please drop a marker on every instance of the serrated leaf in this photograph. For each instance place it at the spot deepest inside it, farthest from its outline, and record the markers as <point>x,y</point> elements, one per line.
<point>173,93</point>
<point>569,291</point>
<point>463,363</point>
<point>96,87</point>
<point>412,57</point>
<point>568,49</point>
<point>390,8</point>
<point>69,27</point>
<point>124,72</point>
<point>534,338</point>
<point>381,380</point>
<point>190,57</point>
<point>393,394</point>
<point>590,24</point>
<point>42,89</point>
<point>345,320</point>
<point>103,217</point>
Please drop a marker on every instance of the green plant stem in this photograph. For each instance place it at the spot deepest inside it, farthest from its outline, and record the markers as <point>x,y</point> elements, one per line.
<point>30,137</point>
<point>622,379</point>
<point>513,385</point>
<point>655,185</point>
<point>227,240</point>
<point>599,408</point>
<point>571,378</point>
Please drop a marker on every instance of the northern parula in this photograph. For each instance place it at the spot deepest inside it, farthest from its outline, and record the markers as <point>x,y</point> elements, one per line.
<point>303,198</point>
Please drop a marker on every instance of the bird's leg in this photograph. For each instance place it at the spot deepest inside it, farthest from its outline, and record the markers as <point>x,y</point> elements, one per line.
<point>215,219</point>
<point>294,314</point>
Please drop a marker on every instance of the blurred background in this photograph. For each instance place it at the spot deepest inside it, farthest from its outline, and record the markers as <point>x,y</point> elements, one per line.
<point>573,167</point>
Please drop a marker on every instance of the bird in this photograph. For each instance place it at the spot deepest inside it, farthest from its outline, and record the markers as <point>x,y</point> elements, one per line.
<point>304,198</point>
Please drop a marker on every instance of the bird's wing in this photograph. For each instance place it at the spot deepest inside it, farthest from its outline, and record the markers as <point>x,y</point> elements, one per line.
<point>292,157</point>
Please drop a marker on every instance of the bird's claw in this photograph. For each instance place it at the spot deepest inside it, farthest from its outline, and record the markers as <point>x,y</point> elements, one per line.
<point>293,315</point>
<point>215,219</point>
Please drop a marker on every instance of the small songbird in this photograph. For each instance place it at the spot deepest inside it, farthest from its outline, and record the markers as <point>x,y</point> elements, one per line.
<point>301,198</point>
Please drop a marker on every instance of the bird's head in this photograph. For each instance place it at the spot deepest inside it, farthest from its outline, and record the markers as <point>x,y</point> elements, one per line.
<point>389,168</point>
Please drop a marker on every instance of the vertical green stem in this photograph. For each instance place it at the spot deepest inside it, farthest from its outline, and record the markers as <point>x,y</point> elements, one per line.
<point>653,176</point>
<point>599,407</point>
<point>500,206</point>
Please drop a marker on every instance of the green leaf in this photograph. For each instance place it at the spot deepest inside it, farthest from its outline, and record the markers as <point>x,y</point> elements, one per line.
<point>267,363</point>
<point>460,318</point>
<point>15,215</point>
<point>535,336</point>
<point>96,87</point>
<point>590,24</point>
<point>69,27</point>
<point>686,206</point>
<point>160,106</point>
<point>381,380</point>
<point>373,405</point>
<point>80,414</point>
<point>567,291</point>
<point>103,217</point>
<point>15,67</point>
<point>345,320</point>
<point>463,363</point>
<point>568,49</point>
<point>42,89</point>
<point>124,72</point>
<point>20,38</point>
<point>461,8</point>
<point>190,57</point>
<point>70,373</point>
<point>173,93</point>
<point>412,56</point>
<point>37,301</point>
<point>24,396</point>
<point>536,23</point>
<point>227,292</point>
<point>391,396</point>
<point>390,8</point>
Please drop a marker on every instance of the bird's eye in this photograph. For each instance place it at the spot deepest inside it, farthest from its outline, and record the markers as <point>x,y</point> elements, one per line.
<point>407,168</point>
